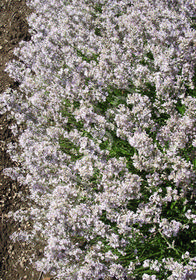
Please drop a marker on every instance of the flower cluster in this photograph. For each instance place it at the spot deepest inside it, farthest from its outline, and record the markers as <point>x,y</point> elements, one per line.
<point>108,152</point>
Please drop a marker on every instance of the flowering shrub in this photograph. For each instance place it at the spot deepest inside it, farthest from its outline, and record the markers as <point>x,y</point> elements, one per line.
<point>108,151</point>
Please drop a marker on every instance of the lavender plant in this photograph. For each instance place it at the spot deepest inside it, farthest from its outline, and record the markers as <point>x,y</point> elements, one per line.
<point>108,151</point>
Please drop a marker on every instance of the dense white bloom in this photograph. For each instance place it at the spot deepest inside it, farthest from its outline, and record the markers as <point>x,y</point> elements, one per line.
<point>118,270</point>
<point>146,263</point>
<point>189,216</point>
<point>79,49</point>
<point>170,228</point>
<point>148,277</point>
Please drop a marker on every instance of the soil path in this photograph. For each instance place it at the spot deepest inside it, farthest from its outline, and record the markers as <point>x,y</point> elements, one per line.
<point>13,256</point>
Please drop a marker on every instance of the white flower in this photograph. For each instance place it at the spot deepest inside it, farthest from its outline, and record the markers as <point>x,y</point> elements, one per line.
<point>71,211</point>
<point>146,263</point>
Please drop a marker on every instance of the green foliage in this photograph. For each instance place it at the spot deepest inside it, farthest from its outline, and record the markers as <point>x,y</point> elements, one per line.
<point>96,176</point>
<point>189,91</point>
<point>106,221</point>
<point>120,148</point>
<point>97,10</point>
<point>85,57</point>
<point>183,241</point>
<point>161,120</point>
<point>175,210</point>
<point>114,98</point>
<point>65,111</point>
<point>87,134</point>
<point>189,153</point>
<point>97,31</point>
<point>133,204</point>
<point>147,60</point>
<point>181,108</point>
<point>193,25</point>
<point>150,55</point>
<point>150,91</point>
<point>98,7</point>
<point>70,148</point>
<point>80,240</point>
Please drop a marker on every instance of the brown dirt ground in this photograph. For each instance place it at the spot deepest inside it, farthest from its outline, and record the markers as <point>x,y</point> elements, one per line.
<point>14,262</point>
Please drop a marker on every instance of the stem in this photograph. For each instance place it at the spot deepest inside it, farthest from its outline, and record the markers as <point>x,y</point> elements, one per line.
<point>170,245</point>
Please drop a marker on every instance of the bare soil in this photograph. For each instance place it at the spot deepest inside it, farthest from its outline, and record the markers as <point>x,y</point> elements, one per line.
<point>14,262</point>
